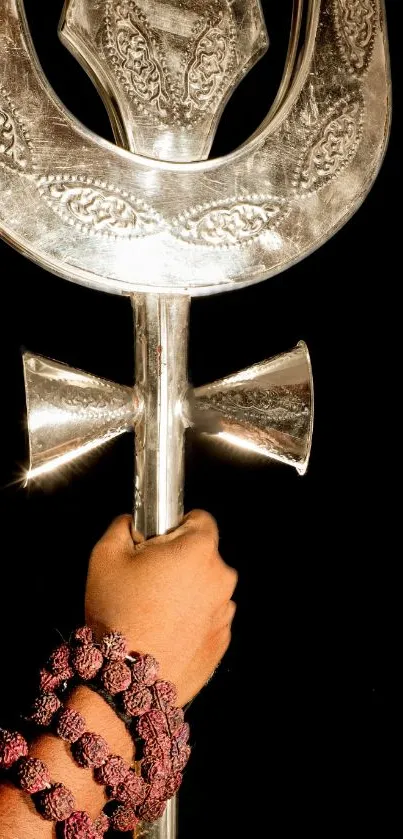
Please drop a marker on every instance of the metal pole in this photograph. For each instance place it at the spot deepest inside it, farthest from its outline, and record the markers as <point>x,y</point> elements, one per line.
<point>161,340</point>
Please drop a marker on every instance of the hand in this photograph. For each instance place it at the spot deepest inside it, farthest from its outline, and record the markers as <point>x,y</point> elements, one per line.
<point>170,596</point>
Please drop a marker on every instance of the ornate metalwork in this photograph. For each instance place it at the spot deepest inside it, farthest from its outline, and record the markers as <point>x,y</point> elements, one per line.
<point>15,143</point>
<point>320,95</point>
<point>168,224</point>
<point>356,22</point>
<point>165,70</point>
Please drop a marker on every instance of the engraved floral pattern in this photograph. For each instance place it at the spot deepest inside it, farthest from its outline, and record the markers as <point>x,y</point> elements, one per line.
<point>203,68</point>
<point>332,147</point>
<point>209,61</point>
<point>356,23</point>
<point>287,408</point>
<point>15,144</point>
<point>96,207</point>
<point>133,52</point>
<point>236,221</point>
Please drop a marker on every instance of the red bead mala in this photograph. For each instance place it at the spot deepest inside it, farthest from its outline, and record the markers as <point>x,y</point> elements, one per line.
<point>54,802</point>
<point>131,683</point>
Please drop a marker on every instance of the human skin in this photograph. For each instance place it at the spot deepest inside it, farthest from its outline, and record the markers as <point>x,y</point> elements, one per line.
<point>170,596</point>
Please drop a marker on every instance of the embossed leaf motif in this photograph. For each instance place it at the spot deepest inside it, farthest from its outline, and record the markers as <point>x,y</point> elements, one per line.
<point>356,22</point>
<point>165,69</point>
<point>332,147</point>
<point>284,408</point>
<point>98,208</point>
<point>209,60</point>
<point>14,141</point>
<point>236,221</point>
<point>138,59</point>
<point>133,52</point>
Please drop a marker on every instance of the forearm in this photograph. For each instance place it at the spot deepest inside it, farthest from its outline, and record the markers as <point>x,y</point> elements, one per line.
<point>171,599</point>
<point>18,817</point>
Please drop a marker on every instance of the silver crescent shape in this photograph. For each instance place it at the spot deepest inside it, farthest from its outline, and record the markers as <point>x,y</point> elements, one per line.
<point>103,217</point>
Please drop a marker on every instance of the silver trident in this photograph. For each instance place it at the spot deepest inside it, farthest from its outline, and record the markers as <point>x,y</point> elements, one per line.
<point>156,221</point>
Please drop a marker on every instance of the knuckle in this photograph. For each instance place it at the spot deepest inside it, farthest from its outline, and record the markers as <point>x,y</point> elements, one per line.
<point>200,545</point>
<point>230,578</point>
<point>189,543</point>
<point>203,521</point>
<point>117,531</point>
<point>121,522</point>
<point>232,607</point>
<point>225,616</point>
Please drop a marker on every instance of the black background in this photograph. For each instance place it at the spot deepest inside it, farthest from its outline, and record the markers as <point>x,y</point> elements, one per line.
<point>295,730</point>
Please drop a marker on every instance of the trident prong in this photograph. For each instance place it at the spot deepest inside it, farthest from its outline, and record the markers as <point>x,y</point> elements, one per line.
<point>162,232</point>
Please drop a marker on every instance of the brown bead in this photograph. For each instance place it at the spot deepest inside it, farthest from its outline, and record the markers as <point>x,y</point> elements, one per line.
<point>112,772</point>
<point>180,756</point>
<point>48,682</point>
<point>151,810</point>
<point>114,646</point>
<point>124,818</point>
<point>87,661</point>
<point>116,677</point>
<point>101,825</point>
<point>44,709</point>
<point>164,695</point>
<point>55,804</point>
<point>12,747</point>
<point>144,669</point>
<point>83,636</point>
<point>176,718</point>
<point>78,826</point>
<point>32,775</point>
<point>173,784</point>
<point>157,749</point>
<point>91,750</point>
<point>132,790</point>
<point>70,725</point>
<point>155,770</point>
<point>137,700</point>
<point>59,662</point>
<point>153,725</point>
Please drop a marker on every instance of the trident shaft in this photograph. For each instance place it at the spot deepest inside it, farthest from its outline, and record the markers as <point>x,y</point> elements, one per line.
<point>159,222</point>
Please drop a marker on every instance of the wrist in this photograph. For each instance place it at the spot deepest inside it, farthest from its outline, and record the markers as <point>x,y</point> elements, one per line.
<point>99,736</point>
<point>100,719</point>
<point>103,720</point>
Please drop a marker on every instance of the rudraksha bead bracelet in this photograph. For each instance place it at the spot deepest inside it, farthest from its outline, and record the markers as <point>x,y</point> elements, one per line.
<point>54,802</point>
<point>131,685</point>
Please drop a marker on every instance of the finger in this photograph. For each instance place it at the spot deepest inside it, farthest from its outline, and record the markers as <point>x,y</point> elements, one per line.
<point>121,535</point>
<point>197,524</point>
<point>137,537</point>
<point>231,612</point>
<point>230,576</point>
<point>225,615</point>
<point>201,522</point>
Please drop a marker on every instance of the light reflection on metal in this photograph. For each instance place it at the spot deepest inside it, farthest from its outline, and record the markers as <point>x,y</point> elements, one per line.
<point>71,413</point>
<point>161,329</point>
<point>266,410</point>
<point>57,462</point>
